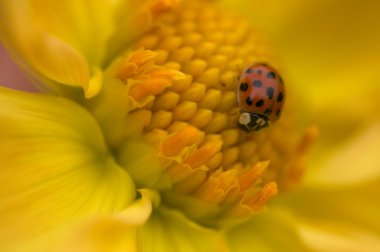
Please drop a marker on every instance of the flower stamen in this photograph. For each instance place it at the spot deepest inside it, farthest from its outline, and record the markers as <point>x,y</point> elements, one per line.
<point>186,77</point>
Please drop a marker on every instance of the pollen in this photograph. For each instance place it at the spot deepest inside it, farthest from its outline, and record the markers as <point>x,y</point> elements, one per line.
<point>184,71</point>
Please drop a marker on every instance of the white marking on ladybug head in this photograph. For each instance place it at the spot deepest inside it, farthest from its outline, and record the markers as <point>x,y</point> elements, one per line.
<point>244,119</point>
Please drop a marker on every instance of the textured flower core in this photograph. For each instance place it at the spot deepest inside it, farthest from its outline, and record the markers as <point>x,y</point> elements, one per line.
<point>181,77</point>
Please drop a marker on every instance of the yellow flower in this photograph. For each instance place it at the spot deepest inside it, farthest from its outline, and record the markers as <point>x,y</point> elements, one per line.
<point>149,157</point>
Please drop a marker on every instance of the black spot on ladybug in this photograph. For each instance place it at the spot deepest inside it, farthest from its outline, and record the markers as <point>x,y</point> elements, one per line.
<point>260,103</point>
<point>267,112</point>
<point>257,83</point>
<point>271,75</point>
<point>278,112</point>
<point>270,92</point>
<point>249,101</point>
<point>280,97</point>
<point>243,87</point>
<point>259,72</point>
<point>249,70</point>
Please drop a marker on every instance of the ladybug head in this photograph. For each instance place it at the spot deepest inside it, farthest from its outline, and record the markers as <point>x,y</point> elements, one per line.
<point>252,122</point>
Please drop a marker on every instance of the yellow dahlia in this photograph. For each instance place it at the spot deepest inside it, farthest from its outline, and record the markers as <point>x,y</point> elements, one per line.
<point>136,146</point>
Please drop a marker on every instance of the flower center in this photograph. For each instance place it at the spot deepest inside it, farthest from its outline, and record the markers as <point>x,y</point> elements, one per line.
<point>181,78</point>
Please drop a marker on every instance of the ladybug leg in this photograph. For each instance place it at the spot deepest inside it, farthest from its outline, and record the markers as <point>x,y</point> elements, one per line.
<point>244,127</point>
<point>260,123</point>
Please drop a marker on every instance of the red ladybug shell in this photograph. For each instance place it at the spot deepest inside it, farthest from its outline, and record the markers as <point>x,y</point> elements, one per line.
<point>261,91</point>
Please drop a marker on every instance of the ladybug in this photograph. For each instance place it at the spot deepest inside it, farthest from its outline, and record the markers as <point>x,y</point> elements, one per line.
<point>260,96</point>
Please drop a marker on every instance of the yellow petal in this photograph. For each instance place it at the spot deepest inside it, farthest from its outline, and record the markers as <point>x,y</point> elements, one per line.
<point>48,54</point>
<point>354,161</point>
<point>313,220</point>
<point>266,232</point>
<point>55,169</point>
<point>62,41</point>
<point>95,83</point>
<point>332,236</point>
<point>328,211</point>
<point>112,233</point>
<point>281,229</point>
<point>170,231</point>
<point>77,23</point>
